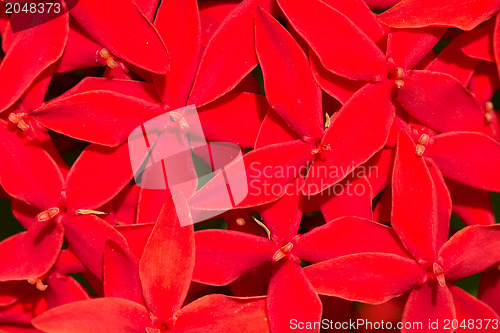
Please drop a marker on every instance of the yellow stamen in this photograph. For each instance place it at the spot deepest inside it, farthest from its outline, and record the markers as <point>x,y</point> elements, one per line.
<point>48,214</point>
<point>263,227</point>
<point>89,211</point>
<point>328,120</point>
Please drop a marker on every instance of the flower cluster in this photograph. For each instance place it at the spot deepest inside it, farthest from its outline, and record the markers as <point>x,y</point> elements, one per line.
<point>360,127</point>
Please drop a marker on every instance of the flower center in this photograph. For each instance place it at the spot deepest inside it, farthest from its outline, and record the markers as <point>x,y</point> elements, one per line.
<point>434,272</point>
<point>421,143</point>
<point>397,76</point>
<point>282,252</point>
<point>19,119</point>
<point>488,112</point>
<point>38,283</point>
<point>110,61</point>
<point>48,214</point>
<point>438,274</point>
<point>160,326</point>
<point>319,148</point>
<point>177,120</point>
<point>286,251</point>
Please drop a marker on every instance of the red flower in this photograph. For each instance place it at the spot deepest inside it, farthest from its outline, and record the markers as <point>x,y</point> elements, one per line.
<point>415,13</point>
<point>164,275</point>
<point>223,256</point>
<point>421,222</point>
<point>65,207</point>
<point>292,92</point>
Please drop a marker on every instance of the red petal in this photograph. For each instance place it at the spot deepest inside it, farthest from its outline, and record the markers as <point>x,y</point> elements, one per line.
<point>484,83</point>
<point>336,86</point>
<point>473,312</point>
<point>162,158</point>
<point>414,209</point>
<point>150,204</point>
<point>351,197</point>
<point>357,132</point>
<point>121,273</point>
<point>283,216</point>
<point>371,278</point>
<point>95,315</point>
<point>148,8</point>
<point>407,47</point>
<point>67,263</point>
<point>4,22</point>
<point>134,40</point>
<point>348,235</point>
<point>284,64</point>
<point>224,255</point>
<point>84,116</point>
<point>80,52</point>
<point>31,253</point>
<point>167,264</point>
<point>212,13</point>
<point>274,130</point>
<point>443,204</point>
<point>235,35</point>
<point>63,290</point>
<point>18,315</point>
<point>220,313</point>
<point>45,43</point>
<point>12,291</point>
<point>125,205</point>
<point>178,23</point>
<point>469,158</point>
<point>380,168</point>
<point>472,206</point>
<point>441,102</point>
<point>291,298</point>
<point>479,42</point>
<point>359,13</point>
<point>97,176</point>
<point>489,288</point>
<point>496,42</point>
<point>430,302</point>
<point>451,60</point>
<point>235,118</point>
<point>382,211</point>
<point>360,58</point>
<point>87,236</point>
<point>423,13</point>
<point>138,89</point>
<point>269,171</point>
<point>29,174</point>
<point>137,236</point>
<point>35,94</point>
<point>470,251</point>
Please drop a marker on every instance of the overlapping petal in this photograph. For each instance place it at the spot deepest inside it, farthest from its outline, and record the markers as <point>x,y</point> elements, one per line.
<point>167,263</point>
<point>366,277</point>
<point>134,40</point>
<point>359,58</point>
<point>290,87</point>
